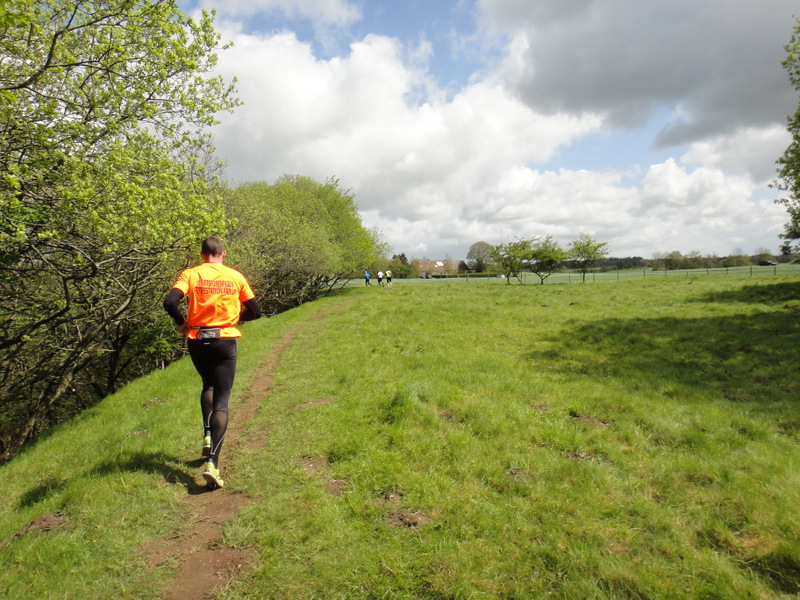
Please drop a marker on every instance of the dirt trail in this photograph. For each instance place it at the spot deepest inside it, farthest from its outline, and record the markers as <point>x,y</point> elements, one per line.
<point>205,565</point>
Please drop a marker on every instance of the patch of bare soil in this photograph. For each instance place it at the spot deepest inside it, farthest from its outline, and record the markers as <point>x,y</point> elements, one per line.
<point>206,565</point>
<point>582,455</point>
<point>588,419</point>
<point>407,518</point>
<point>43,523</point>
<point>519,475</point>
<point>318,466</point>
<point>395,515</point>
<point>314,403</point>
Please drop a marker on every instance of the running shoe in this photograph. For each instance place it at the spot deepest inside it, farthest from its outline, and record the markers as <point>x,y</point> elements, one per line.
<point>211,475</point>
<point>207,446</point>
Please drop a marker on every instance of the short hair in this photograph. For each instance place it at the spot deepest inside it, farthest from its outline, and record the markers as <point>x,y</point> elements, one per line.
<point>212,246</point>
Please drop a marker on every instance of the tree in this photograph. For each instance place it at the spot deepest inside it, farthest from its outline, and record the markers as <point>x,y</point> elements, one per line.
<point>659,260</point>
<point>512,257</point>
<point>695,260</point>
<point>674,261</point>
<point>546,257</point>
<point>401,268</point>
<point>480,256</point>
<point>763,254</point>
<point>414,267</point>
<point>737,258</point>
<point>102,109</point>
<point>297,238</point>
<point>450,265</point>
<point>585,251</point>
<point>789,163</point>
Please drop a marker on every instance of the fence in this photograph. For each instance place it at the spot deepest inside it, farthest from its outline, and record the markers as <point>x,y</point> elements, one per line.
<point>618,275</point>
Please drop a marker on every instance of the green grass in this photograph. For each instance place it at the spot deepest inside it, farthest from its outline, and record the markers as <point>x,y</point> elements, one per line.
<point>631,439</point>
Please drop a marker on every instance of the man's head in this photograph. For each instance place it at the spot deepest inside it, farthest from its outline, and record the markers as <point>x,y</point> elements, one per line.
<point>212,248</point>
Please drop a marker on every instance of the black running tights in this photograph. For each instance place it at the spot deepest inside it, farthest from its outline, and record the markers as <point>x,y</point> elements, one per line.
<point>215,361</point>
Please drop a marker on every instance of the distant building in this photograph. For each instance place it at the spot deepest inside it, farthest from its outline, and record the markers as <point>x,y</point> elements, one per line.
<point>432,268</point>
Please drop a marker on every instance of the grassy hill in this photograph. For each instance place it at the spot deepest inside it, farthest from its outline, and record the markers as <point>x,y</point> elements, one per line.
<point>444,439</point>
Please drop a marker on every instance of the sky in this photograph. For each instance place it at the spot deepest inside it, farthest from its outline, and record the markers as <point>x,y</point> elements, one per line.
<point>651,125</point>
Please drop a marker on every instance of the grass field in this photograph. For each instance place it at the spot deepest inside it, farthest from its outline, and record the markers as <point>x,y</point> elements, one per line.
<point>450,439</point>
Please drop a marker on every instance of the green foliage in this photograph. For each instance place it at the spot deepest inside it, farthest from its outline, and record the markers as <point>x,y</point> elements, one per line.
<point>676,260</point>
<point>586,251</point>
<point>480,256</point>
<point>512,257</point>
<point>789,163</point>
<point>104,186</point>
<point>296,239</point>
<point>546,257</point>
<point>401,268</point>
<point>736,259</point>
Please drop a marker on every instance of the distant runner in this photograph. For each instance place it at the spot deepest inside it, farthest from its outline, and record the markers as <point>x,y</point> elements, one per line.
<point>216,295</point>
<point>388,279</point>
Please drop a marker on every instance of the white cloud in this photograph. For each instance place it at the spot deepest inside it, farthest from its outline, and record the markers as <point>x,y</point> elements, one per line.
<point>705,210</point>
<point>352,117</point>
<point>704,191</point>
<point>438,169</point>
<point>753,150</point>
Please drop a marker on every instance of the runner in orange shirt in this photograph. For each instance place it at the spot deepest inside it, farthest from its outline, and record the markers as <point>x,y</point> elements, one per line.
<point>219,297</point>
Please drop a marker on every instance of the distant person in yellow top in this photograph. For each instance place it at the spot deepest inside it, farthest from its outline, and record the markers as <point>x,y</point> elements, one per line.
<point>218,299</point>
<point>388,279</point>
